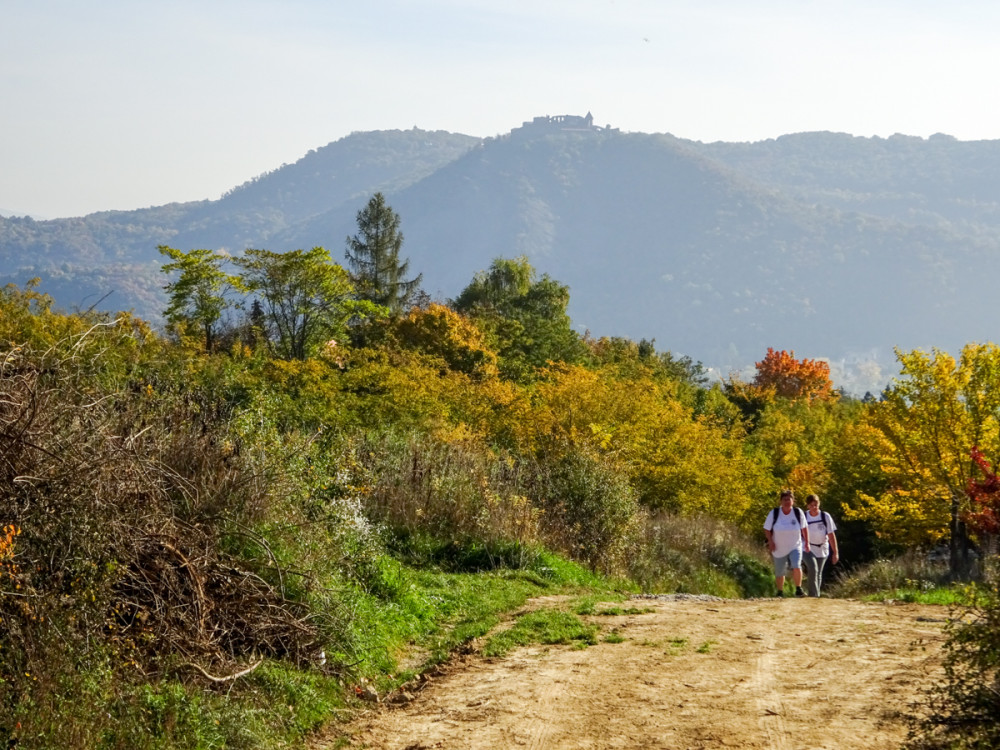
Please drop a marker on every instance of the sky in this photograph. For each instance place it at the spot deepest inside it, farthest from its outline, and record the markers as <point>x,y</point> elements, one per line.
<point>124,104</point>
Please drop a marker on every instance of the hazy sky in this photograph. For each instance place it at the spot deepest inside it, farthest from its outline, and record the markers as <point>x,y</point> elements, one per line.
<point>120,104</point>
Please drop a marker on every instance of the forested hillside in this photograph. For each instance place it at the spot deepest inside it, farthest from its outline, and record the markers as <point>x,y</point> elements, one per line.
<point>111,258</point>
<point>826,244</point>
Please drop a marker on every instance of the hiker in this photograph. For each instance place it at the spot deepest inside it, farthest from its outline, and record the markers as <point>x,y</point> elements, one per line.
<point>787,537</point>
<point>822,544</point>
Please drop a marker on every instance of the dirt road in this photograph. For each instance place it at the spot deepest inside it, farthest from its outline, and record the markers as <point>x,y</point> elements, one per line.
<point>778,674</point>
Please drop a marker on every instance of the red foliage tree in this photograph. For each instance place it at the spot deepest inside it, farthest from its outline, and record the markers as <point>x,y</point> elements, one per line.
<point>984,517</point>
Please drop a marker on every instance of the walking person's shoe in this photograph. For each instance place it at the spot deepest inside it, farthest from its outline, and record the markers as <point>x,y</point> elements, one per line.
<point>799,591</point>
<point>780,593</point>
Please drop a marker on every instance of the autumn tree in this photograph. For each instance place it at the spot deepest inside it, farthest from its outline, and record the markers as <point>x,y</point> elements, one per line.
<point>984,493</point>
<point>200,294</point>
<point>378,273</point>
<point>441,331</point>
<point>643,355</point>
<point>923,429</point>
<point>676,460</point>
<point>788,377</point>
<point>796,422</point>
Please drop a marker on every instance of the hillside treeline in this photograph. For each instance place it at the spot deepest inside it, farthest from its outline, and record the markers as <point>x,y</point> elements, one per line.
<point>239,503</point>
<point>713,249</point>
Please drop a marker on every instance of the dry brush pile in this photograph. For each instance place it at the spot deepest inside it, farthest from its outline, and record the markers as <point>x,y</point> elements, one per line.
<point>129,540</point>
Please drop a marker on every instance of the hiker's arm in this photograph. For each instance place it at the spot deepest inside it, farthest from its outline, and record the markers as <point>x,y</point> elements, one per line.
<point>770,539</point>
<point>834,554</point>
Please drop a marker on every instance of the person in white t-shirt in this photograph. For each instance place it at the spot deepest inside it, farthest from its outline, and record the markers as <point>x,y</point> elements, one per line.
<point>787,537</point>
<point>822,544</point>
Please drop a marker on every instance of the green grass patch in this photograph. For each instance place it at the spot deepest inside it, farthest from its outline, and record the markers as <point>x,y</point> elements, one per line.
<point>617,611</point>
<point>588,604</point>
<point>274,706</point>
<point>675,646</point>
<point>437,611</point>
<point>706,647</point>
<point>548,627</point>
<point>614,638</point>
<point>943,595</point>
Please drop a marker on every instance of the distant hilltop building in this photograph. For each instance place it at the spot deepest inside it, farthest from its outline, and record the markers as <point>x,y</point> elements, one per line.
<point>562,123</point>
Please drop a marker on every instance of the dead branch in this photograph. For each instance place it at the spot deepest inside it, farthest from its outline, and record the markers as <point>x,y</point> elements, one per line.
<point>227,678</point>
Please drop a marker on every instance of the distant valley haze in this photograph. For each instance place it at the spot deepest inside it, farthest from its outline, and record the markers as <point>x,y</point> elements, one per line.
<point>835,246</point>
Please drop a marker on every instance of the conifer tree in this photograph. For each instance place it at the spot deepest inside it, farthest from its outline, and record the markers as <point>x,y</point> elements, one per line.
<point>376,269</point>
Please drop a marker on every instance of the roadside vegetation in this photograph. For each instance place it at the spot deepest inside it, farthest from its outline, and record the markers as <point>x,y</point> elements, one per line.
<point>316,483</point>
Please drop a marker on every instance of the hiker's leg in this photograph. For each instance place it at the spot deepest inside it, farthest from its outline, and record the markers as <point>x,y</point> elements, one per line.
<point>816,575</point>
<point>795,561</point>
<point>809,567</point>
<point>780,568</point>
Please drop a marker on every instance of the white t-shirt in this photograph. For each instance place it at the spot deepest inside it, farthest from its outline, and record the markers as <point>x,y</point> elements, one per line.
<point>819,526</point>
<point>786,531</point>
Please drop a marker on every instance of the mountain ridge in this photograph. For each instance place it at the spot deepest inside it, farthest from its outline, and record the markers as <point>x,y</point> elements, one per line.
<point>836,246</point>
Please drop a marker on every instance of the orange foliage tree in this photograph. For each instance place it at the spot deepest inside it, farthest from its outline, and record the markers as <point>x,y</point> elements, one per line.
<point>793,378</point>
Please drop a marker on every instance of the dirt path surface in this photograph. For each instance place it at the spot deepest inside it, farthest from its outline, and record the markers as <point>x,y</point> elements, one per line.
<point>690,673</point>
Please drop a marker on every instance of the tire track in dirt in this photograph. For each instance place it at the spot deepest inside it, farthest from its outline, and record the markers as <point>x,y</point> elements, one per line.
<point>822,674</point>
<point>768,701</point>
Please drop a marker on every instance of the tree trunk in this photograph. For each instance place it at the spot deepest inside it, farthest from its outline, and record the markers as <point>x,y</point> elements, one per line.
<point>959,567</point>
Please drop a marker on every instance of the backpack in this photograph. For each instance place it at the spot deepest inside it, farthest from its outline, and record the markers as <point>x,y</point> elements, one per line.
<point>799,513</point>
<point>825,519</point>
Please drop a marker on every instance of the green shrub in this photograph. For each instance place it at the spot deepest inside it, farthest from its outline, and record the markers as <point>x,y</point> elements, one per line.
<point>700,555</point>
<point>909,572</point>
<point>960,712</point>
<point>591,510</point>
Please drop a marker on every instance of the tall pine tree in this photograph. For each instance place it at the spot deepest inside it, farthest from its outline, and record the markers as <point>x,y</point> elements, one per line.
<point>373,256</point>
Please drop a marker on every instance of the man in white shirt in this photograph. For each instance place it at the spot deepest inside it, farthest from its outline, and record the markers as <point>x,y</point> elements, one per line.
<point>787,537</point>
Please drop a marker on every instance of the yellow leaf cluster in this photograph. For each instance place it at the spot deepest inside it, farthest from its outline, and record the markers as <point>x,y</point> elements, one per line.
<point>440,331</point>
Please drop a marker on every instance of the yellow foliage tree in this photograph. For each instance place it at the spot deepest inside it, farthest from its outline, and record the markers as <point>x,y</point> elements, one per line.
<point>798,439</point>
<point>675,460</point>
<point>922,431</point>
<point>441,331</point>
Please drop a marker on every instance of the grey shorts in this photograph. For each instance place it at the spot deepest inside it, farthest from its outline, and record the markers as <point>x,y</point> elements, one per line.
<point>791,561</point>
